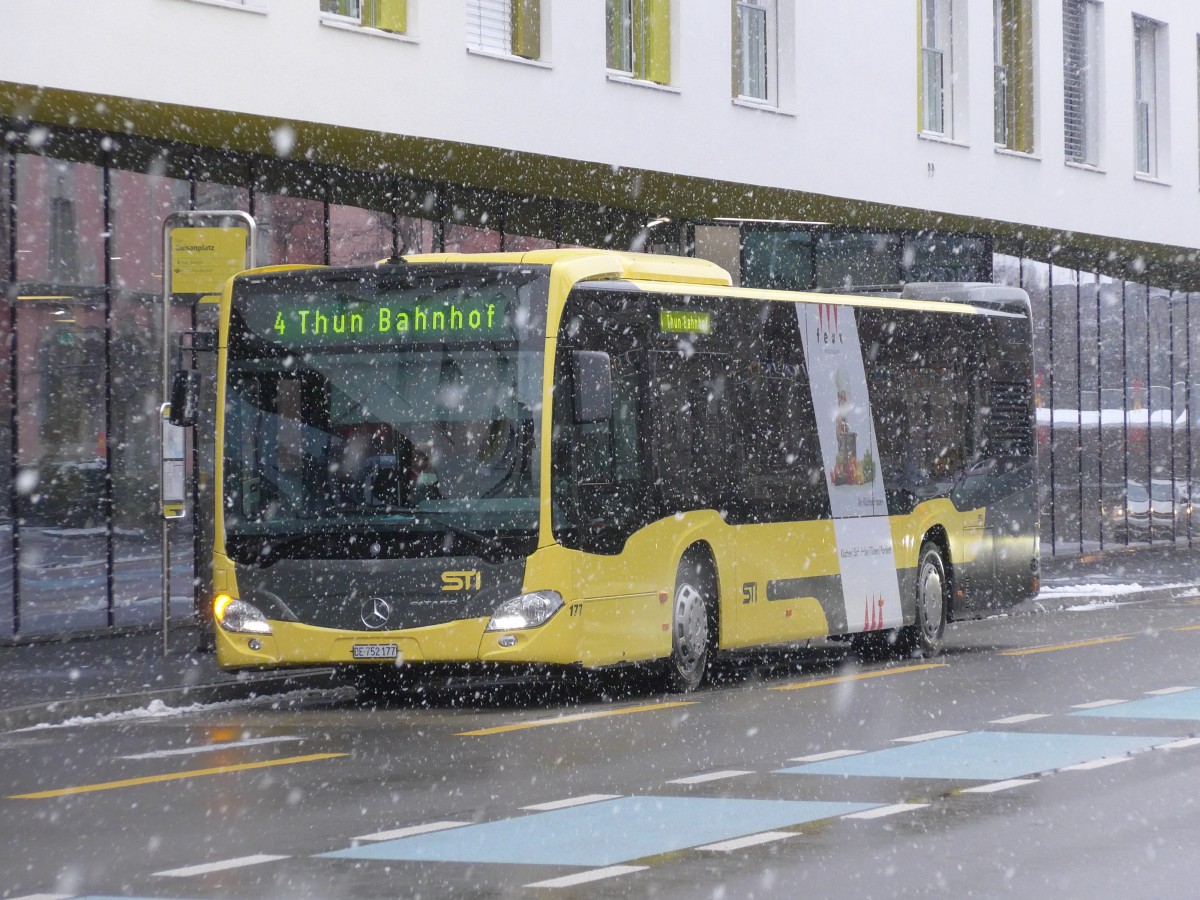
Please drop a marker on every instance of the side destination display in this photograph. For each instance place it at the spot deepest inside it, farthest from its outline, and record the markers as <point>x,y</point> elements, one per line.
<point>671,321</point>
<point>846,432</point>
<point>309,321</point>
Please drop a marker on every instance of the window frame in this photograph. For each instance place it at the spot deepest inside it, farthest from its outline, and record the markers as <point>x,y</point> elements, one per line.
<point>386,16</point>
<point>1014,79</point>
<point>936,37</point>
<point>522,29</point>
<point>1151,89</point>
<point>1083,82</point>
<point>768,70</point>
<point>639,39</point>
<point>949,40</point>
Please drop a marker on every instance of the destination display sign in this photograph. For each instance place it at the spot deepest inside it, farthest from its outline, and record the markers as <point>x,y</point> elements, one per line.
<point>297,320</point>
<point>673,321</point>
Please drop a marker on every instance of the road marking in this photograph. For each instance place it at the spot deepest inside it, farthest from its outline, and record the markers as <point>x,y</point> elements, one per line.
<point>1096,764</point>
<point>709,776</point>
<point>209,748</point>
<point>397,833</point>
<point>998,786</point>
<point>1017,720</point>
<point>1179,745</point>
<point>577,717</point>
<point>45,897</point>
<point>821,757</point>
<point>1097,704</point>
<point>586,877</point>
<point>881,811</point>
<point>173,776</point>
<point>207,868</point>
<point>1188,627</point>
<point>1162,692</point>
<point>750,840</point>
<point>861,676</point>
<point>570,801</point>
<point>928,736</point>
<point>1048,648</point>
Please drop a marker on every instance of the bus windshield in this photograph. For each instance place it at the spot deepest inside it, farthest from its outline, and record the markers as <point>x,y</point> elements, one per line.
<point>364,405</point>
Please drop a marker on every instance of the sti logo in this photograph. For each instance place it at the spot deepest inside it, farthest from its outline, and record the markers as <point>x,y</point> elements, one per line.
<point>461,580</point>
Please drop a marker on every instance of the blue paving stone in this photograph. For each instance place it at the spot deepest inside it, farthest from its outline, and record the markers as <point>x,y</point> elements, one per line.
<point>605,833</point>
<point>983,755</point>
<point>1184,705</point>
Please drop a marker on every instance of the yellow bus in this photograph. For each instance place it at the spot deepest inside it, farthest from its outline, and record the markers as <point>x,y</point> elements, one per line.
<point>591,458</point>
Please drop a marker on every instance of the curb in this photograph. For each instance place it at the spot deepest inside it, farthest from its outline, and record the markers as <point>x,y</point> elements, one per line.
<point>57,711</point>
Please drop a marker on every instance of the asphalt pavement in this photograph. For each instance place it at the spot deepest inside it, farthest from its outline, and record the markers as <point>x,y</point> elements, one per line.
<point>53,681</point>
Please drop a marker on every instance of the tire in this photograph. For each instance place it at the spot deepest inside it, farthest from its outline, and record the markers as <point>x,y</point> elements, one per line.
<point>693,632</point>
<point>926,635</point>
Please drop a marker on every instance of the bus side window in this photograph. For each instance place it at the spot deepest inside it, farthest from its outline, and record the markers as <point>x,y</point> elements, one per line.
<point>693,441</point>
<point>781,472</point>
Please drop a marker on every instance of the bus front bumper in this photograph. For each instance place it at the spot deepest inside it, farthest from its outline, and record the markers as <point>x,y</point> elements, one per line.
<point>292,644</point>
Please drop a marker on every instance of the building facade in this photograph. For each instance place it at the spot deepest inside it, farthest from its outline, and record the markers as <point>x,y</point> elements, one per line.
<point>1053,144</point>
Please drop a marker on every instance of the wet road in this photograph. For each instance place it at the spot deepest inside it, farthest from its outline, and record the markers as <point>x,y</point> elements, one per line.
<point>1051,753</point>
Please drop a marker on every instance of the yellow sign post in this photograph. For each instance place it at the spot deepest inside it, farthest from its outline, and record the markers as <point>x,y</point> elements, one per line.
<point>202,250</point>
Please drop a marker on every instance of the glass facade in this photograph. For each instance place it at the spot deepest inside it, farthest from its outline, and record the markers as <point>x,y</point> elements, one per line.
<point>81,284</point>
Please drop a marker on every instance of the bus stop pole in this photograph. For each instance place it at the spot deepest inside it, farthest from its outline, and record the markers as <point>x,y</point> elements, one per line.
<point>202,249</point>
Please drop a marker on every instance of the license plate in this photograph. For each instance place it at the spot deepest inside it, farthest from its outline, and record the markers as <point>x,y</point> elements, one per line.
<point>375,651</point>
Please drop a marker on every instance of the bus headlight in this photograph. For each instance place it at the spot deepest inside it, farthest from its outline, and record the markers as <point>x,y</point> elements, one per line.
<point>239,616</point>
<point>525,611</point>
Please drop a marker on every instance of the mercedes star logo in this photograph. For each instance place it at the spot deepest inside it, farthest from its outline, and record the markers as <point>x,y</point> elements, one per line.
<point>374,613</point>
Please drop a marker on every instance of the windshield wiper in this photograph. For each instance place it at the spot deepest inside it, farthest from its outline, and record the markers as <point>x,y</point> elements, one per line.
<point>367,510</point>
<point>482,540</point>
<point>269,549</point>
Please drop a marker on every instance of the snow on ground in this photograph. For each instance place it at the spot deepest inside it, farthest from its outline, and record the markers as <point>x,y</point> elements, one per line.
<point>157,709</point>
<point>1106,596</point>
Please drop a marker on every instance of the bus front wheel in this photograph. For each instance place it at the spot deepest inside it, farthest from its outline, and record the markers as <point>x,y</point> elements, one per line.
<point>691,637</point>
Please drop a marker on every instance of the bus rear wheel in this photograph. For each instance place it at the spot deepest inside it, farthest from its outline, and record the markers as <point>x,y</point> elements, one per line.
<point>691,637</point>
<point>927,634</point>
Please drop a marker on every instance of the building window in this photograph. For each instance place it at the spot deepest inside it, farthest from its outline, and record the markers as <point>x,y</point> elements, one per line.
<point>755,50</point>
<point>639,38</point>
<point>1013,55</point>
<point>1149,95</point>
<point>936,64</point>
<point>385,15</point>
<point>1081,81</point>
<point>63,251</point>
<point>507,27</point>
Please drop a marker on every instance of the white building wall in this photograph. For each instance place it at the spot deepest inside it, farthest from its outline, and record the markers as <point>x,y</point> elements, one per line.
<point>849,129</point>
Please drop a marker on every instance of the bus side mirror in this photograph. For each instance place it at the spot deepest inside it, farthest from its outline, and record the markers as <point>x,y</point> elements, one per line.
<point>185,391</point>
<point>593,386</point>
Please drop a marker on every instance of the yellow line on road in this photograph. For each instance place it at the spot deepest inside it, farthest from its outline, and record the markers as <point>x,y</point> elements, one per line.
<point>841,679</point>
<point>1068,646</point>
<point>1187,628</point>
<point>173,776</point>
<point>578,717</point>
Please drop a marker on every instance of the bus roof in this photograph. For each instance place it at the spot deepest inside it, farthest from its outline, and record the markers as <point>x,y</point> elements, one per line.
<point>866,301</point>
<point>660,273</point>
<point>615,263</point>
